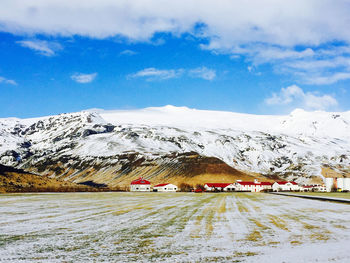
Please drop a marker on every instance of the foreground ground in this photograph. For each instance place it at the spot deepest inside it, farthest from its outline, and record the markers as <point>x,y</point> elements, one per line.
<point>178,227</point>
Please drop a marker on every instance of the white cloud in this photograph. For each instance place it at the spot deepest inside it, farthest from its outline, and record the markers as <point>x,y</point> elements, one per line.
<point>83,78</point>
<point>203,72</point>
<point>7,81</point>
<point>265,31</point>
<point>319,66</point>
<point>151,74</point>
<point>157,74</point>
<point>327,78</point>
<point>294,96</point>
<point>128,52</point>
<point>43,47</point>
<point>286,23</point>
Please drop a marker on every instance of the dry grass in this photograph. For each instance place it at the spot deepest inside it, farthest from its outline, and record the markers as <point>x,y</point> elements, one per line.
<point>242,208</point>
<point>259,224</point>
<point>254,236</point>
<point>278,222</point>
<point>13,182</point>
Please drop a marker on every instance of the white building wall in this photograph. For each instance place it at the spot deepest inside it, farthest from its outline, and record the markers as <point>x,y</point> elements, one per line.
<point>346,184</point>
<point>295,187</point>
<point>267,187</point>
<point>140,188</point>
<point>320,188</point>
<point>207,188</point>
<point>251,188</point>
<point>340,183</point>
<point>230,187</point>
<point>329,183</point>
<point>166,188</point>
<point>276,187</point>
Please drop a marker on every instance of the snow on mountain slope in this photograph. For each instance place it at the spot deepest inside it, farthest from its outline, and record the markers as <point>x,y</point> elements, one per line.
<point>316,123</point>
<point>295,146</point>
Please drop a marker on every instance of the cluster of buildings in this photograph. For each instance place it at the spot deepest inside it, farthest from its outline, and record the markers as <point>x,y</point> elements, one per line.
<point>331,184</point>
<point>142,185</point>
<point>255,186</point>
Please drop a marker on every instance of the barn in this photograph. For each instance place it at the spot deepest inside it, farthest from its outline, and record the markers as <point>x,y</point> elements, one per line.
<point>140,185</point>
<point>165,188</point>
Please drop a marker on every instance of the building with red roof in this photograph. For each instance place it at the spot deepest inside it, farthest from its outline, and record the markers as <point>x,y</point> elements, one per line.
<point>165,188</point>
<point>140,185</point>
<point>256,186</point>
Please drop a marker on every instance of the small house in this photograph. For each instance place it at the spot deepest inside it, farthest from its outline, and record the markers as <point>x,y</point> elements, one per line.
<point>212,187</point>
<point>313,188</point>
<point>140,185</point>
<point>165,188</point>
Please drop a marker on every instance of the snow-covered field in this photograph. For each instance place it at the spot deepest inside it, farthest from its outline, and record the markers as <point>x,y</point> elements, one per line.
<point>177,227</point>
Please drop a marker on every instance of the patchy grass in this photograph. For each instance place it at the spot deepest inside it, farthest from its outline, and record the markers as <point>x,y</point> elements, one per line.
<point>278,222</point>
<point>258,223</point>
<point>254,236</point>
<point>179,227</point>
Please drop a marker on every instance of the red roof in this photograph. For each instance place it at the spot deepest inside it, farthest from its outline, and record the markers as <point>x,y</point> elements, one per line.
<point>308,186</point>
<point>285,182</point>
<point>217,185</point>
<point>247,183</point>
<point>265,183</point>
<point>140,181</point>
<point>253,183</point>
<point>159,185</point>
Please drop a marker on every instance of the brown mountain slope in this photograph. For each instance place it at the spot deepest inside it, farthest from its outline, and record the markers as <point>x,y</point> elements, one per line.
<point>119,171</point>
<point>14,180</point>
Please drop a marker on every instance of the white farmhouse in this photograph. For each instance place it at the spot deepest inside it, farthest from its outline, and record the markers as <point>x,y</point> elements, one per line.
<point>140,185</point>
<point>320,188</point>
<point>285,186</point>
<point>255,186</point>
<point>210,187</point>
<point>313,188</point>
<point>165,188</point>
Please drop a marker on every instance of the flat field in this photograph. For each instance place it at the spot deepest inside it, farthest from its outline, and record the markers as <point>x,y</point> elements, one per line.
<point>177,227</point>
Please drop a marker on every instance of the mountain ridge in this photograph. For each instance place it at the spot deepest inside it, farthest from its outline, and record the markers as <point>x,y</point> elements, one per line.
<point>114,147</point>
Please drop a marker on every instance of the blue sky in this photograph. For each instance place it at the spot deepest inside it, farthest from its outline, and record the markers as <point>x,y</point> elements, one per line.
<point>60,57</point>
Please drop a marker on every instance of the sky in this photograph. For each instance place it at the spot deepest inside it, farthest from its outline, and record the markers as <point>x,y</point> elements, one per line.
<point>257,56</point>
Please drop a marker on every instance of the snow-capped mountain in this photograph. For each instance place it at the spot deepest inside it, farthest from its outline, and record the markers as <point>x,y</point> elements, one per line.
<point>109,146</point>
